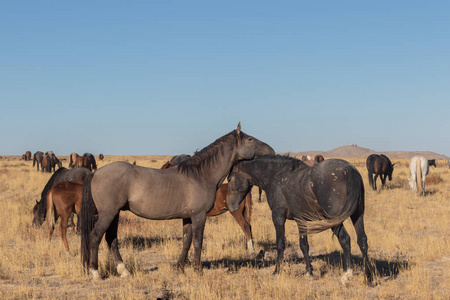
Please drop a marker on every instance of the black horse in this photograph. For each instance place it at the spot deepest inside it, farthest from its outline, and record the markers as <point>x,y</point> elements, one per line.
<point>379,165</point>
<point>317,198</point>
<point>432,162</point>
<point>62,174</point>
<point>37,159</point>
<point>91,159</point>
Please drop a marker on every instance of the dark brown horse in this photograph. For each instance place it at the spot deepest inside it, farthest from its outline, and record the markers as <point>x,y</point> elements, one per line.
<point>46,163</point>
<point>62,174</point>
<point>101,157</point>
<point>37,159</point>
<point>380,165</point>
<point>432,162</point>
<point>92,161</point>
<point>72,158</point>
<point>319,158</point>
<point>317,198</point>
<point>63,199</point>
<point>82,162</point>
<point>186,192</point>
<point>242,215</point>
<point>26,156</point>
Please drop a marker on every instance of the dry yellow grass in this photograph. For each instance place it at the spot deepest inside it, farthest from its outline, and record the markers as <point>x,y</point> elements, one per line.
<point>408,242</point>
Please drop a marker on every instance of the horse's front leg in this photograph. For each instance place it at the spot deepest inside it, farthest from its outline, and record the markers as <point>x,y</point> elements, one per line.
<point>187,241</point>
<point>198,226</point>
<point>246,228</point>
<point>279,219</point>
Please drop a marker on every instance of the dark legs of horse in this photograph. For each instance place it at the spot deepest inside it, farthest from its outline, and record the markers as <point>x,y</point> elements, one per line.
<point>358,223</point>
<point>198,226</point>
<point>113,246</point>
<point>279,219</point>
<point>304,246</point>
<point>260,192</point>
<point>246,228</point>
<point>187,241</point>
<point>383,179</point>
<point>344,241</point>
<point>375,182</point>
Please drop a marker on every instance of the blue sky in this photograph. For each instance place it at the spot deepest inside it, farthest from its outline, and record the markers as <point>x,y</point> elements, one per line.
<point>169,77</point>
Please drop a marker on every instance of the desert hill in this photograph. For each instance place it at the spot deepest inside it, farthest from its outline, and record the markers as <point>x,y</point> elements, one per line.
<point>356,151</point>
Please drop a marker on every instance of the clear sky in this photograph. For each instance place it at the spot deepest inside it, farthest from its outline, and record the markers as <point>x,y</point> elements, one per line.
<point>169,77</point>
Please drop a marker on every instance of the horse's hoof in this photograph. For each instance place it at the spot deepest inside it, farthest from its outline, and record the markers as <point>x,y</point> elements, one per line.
<point>122,270</point>
<point>346,277</point>
<point>94,274</point>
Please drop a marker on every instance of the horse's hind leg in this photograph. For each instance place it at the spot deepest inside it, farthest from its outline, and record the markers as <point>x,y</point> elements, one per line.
<point>198,226</point>
<point>375,182</point>
<point>63,227</point>
<point>358,223</point>
<point>113,245</point>
<point>344,241</point>
<point>246,228</point>
<point>187,241</point>
<point>304,246</point>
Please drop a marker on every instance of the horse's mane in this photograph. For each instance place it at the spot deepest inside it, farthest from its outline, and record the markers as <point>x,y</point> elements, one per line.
<point>204,158</point>
<point>50,184</point>
<point>286,162</point>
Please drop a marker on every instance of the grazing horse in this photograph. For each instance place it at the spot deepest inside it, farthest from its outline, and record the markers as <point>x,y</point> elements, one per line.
<point>62,174</point>
<point>53,160</point>
<point>319,158</point>
<point>186,192</point>
<point>432,162</point>
<point>91,159</point>
<point>418,168</point>
<point>379,165</point>
<point>72,159</point>
<point>63,199</point>
<point>46,164</point>
<point>317,198</point>
<point>101,156</point>
<point>37,159</point>
<point>26,156</point>
<point>242,215</point>
<point>82,162</point>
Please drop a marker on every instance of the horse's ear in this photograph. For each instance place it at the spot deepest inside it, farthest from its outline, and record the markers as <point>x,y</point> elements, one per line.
<point>238,129</point>
<point>393,164</point>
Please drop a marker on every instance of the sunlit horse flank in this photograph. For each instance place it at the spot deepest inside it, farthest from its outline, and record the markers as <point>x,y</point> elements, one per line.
<point>317,198</point>
<point>186,192</point>
<point>419,168</point>
<point>242,215</point>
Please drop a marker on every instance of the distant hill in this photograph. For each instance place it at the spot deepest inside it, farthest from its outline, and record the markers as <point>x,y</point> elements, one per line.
<point>356,151</point>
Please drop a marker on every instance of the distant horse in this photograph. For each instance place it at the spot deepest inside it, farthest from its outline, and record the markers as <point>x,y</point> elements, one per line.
<point>319,158</point>
<point>317,198</point>
<point>83,162</point>
<point>26,156</point>
<point>63,199</point>
<point>62,174</point>
<point>175,160</point>
<point>72,158</point>
<point>418,168</point>
<point>37,159</point>
<point>379,165</point>
<point>54,161</point>
<point>242,215</point>
<point>186,192</point>
<point>448,163</point>
<point>101,156</point>
<point>432,162</point>
<point>91,160</point>
<point>46,164</point>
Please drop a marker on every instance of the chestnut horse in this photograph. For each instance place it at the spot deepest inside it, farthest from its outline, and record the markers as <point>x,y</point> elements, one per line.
<point>82,162</point>
<point>101,156</point>
<point>242,215</point>
<point>319,158</point>
<point>72,158</point>
<point>64,198</point>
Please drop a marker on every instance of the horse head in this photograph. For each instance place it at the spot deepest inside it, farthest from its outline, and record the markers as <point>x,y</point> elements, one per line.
<point>390,172</point>
<point>250,147</point>
<point>39,211</point>
<point>238,188</point>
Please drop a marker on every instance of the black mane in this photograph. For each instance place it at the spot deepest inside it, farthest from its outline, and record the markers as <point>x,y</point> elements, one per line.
<point>204,158</point>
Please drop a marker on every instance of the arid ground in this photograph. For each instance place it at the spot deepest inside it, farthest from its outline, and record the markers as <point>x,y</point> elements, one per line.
<point>408,244</point>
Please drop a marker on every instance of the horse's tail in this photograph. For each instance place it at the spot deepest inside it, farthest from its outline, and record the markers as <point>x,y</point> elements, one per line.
<point>419,175</point>
<point>248,207</point>
<point>70,162</point>
<point>370,171</point>
<point>86,220</point>
<point>34,159</point>
<point>50,212</point>
<point>312,224</point>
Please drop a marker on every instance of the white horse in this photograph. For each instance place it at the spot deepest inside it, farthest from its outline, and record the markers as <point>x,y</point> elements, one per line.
<point>419,169</point>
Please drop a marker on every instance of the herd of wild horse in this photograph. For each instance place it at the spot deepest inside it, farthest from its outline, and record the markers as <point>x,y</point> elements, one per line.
<point>317,194</point>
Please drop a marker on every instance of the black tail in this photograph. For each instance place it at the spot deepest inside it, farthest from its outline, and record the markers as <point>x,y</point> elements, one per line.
<point>370,170</point>
<point>86,220</point>
<point>34,159</point>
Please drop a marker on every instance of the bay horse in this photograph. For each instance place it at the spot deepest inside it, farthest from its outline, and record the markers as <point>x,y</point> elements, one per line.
<point>242,215</point>
<point>91,159</point>
<point>26,156</point>
<point>46,163</point>
<point>186,192</point>
<point>418,168</point>
<point>63,199</point>
<point>62,174</point>
<point>54,161</point>
<point>317,198</point>
<point>82,162</point>
<point>101,157</point>
<point>72,158</point>
<point>379,165</point>
<point>37,159</point>
<point>319,158</point>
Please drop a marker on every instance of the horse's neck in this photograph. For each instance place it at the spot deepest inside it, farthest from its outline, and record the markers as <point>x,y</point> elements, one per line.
<point>262,174</point>
<point>216,173</point>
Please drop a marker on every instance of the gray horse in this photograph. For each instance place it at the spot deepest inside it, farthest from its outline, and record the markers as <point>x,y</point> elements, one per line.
<point>184,192</point>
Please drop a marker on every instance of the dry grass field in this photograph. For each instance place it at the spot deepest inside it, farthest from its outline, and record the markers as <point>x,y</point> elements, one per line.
<point>408,243</point>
